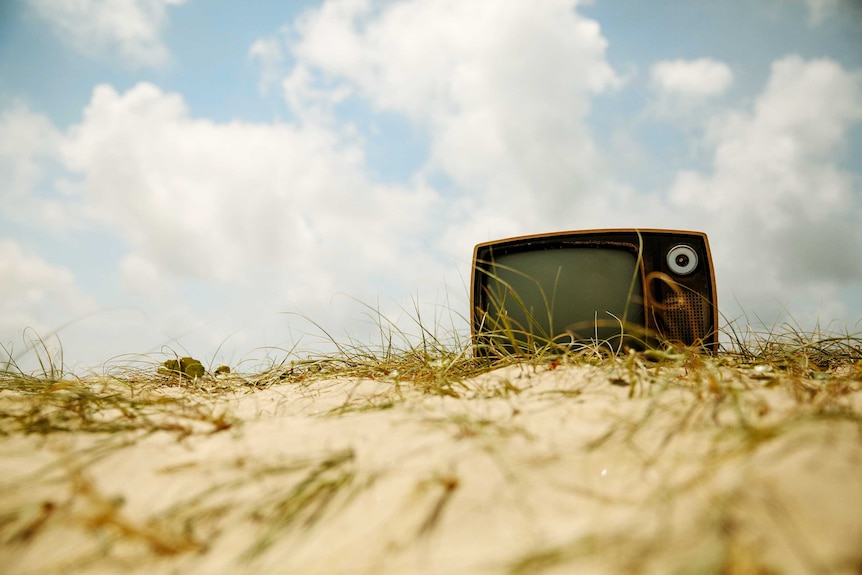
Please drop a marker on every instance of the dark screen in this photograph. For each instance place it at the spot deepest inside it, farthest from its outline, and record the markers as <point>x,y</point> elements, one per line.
<point>566,294</point>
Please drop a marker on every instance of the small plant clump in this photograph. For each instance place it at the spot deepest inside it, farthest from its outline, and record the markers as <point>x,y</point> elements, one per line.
<point>184,367</point>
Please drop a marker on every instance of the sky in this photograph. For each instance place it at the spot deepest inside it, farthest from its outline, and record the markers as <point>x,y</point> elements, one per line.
<point>235,179</point>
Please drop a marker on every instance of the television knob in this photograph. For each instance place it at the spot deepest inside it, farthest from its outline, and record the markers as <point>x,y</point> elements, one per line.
<point>682,259</point>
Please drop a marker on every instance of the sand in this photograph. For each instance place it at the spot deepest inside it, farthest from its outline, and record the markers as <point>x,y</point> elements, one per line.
<point>577,469</point>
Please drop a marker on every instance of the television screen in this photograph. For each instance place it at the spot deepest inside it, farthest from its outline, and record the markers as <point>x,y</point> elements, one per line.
<point>621,288</point>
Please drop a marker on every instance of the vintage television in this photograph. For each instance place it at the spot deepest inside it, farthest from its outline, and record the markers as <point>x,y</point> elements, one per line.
<point>616,288</point>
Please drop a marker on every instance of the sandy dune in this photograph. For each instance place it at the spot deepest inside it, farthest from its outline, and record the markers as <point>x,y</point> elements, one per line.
<point>578,469</point>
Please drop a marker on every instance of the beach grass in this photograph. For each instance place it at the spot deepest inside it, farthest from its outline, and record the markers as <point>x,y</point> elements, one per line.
<point>528,438</point>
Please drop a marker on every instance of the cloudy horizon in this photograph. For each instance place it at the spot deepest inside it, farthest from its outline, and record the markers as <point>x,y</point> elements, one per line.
<point>215,179</point>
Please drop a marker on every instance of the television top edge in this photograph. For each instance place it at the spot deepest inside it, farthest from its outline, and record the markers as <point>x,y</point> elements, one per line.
<point>593,231</point>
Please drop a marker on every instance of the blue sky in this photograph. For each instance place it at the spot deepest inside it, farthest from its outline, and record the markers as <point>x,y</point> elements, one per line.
<point>198,176</point>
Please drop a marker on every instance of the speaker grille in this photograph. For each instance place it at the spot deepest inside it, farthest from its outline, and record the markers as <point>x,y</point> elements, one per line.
<point>684,318</point>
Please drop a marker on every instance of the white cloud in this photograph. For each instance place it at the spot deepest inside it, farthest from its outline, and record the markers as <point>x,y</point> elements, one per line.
<point>788,214</point>
<point>254,219</point>
<point>133,28</point>
<point>29,156</point>
<point>691,78</point>
<point>34,294</point>
<point>783,149</point>
<point>268,52</point>
<point>501,88</point>
<point>143,277</point>
<point>197,199</point>
<point>26,139</point>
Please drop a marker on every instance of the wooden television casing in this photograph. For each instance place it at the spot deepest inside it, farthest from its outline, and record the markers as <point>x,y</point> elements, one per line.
<point>678,308</point>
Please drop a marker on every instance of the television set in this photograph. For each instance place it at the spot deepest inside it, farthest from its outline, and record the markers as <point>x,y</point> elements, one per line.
<point>618,288</point>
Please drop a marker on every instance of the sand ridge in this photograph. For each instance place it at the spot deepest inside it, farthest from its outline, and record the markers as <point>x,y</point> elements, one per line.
<point>526,469</point>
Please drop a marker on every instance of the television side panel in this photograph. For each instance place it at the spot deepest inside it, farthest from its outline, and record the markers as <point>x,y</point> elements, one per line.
<point>680,288</point>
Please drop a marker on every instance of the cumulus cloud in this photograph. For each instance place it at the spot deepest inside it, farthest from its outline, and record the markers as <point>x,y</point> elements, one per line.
<point>34,293</point>
<point>132,28</point>
<point>267,51</point>
<point>198,199</point>
<point>782,150</point>
<point>29,166</point>
<point>26,140</point>
<point>788,212</point>
<point>502,90</point>
<point>44,308</point>
<point>691,79</point>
